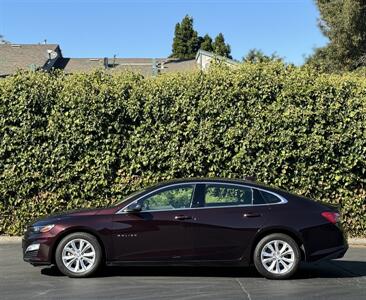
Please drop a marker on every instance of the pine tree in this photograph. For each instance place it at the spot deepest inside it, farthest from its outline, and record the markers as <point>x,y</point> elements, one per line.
<point>219,46</point>
<point>206,43</point>
<point>186,42</point>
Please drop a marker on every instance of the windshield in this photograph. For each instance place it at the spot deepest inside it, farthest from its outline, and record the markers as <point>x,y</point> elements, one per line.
<point>134,194</point>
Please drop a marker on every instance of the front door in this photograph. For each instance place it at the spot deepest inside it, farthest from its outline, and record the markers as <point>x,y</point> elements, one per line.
<point>159,231</point>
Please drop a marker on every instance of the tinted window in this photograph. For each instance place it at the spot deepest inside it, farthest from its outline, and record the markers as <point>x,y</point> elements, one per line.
<point>270,198</point>
<point>257,198</point>
<point>223,195</point>
<point>261,197</point>
<point>171,198</point>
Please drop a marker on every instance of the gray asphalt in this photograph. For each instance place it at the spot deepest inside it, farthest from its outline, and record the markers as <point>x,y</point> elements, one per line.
<point>337,279</point>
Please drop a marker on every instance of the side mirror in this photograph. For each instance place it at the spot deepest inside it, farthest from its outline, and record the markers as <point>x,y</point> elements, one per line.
<point>133,208</point>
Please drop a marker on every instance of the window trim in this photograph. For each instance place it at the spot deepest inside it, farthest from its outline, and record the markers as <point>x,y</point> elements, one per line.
<point>283,200</point>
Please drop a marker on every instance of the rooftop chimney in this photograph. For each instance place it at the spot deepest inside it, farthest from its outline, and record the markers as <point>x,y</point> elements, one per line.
<point>105,62</point>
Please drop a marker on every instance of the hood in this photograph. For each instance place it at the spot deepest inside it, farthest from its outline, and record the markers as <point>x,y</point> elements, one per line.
<point>70,213</point>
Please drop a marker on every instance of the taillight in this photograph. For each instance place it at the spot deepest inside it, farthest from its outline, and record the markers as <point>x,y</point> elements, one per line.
<point>332,217</point>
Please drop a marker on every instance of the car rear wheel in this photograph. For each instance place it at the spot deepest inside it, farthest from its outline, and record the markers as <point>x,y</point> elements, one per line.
<point>78,255</point>
<point>277,256</point>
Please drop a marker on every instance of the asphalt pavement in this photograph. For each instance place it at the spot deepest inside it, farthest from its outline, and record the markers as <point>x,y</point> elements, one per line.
<point>338,279</point>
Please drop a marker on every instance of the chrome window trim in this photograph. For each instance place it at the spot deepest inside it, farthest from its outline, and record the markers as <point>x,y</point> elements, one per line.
<point>283,200</point>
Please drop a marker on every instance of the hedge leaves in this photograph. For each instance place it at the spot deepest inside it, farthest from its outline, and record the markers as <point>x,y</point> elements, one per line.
<point>88,140</point>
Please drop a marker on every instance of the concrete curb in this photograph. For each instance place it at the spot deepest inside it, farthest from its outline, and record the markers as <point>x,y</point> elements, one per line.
<point>4,239</point>
<point>357,241</point>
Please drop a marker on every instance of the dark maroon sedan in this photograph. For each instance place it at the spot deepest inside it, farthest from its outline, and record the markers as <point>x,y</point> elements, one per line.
<point>210,222</point>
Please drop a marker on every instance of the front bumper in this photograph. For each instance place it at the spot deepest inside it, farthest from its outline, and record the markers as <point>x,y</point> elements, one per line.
<point>40,256</point>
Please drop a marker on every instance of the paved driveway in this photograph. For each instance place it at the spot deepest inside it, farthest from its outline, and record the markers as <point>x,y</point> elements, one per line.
<point>341,279</point>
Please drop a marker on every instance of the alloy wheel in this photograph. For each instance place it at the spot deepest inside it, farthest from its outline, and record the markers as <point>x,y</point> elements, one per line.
<point>277,257</point>
<point>78,255</point>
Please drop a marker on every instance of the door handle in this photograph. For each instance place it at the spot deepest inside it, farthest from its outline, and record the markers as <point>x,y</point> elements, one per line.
<point>182,217</point>
<point>251,215</point>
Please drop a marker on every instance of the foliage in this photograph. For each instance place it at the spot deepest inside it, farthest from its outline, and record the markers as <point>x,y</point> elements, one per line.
<point>343,23</point>
<point>257,56</point>
<point>220,47</point>
<point>88,140</point>
<point>206,43</point>
<point>186,41</point>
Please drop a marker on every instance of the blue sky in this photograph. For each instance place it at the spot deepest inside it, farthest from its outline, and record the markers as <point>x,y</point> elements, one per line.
<point>144,28</point>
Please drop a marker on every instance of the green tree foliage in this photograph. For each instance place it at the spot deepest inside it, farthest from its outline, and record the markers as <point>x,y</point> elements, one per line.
<point>220,47</point>
<point>206,43</point>
<point>257,56</point>
<point>89,139</point>
<point>344,24</point>
<point>186,42</point>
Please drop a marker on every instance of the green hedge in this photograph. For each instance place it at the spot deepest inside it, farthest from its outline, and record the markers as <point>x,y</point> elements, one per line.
<point>88,140</point>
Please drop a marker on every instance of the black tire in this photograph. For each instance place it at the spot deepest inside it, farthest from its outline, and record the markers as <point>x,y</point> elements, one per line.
<point>284,273</point>
<point>77,236</point>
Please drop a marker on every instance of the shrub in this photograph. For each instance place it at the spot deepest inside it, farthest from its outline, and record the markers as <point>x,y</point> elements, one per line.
<point>88,140</point>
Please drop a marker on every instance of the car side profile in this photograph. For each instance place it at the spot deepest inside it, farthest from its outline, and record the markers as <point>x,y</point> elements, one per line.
<point>194,222</point>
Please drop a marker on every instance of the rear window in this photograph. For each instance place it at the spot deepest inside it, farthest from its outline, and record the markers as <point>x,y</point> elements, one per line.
<point>227,195</point>
<point>262,197</point>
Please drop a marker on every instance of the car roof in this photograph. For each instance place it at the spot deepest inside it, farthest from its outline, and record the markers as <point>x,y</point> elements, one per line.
<point>217,180</point>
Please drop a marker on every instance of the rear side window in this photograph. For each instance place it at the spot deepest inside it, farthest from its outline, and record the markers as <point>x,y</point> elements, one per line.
<point>262,197</point>
<point>227,195</point>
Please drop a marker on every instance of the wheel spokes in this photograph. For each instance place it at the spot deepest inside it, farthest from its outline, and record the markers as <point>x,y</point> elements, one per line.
<point>78,255</point>
<point>277,257</point>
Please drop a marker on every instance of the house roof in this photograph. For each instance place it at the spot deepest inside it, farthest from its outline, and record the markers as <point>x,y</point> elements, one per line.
<point>48,56</point>
<point>176,65</point>
<point>24,56</point>
<point>143,66</point>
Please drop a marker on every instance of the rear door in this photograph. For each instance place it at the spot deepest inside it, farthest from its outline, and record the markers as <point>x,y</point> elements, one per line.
<point>225,222</point>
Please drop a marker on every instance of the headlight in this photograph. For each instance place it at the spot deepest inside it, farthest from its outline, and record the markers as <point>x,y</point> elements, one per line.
<point>42,229</point>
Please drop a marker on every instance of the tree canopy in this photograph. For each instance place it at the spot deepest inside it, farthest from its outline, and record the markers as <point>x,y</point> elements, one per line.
<point>220,47</point>
<point>257,56</point>
<point>344,24</point>
<point>187,42</point>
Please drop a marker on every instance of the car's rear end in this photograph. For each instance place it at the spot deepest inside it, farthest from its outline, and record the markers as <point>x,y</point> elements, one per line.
<point>320,228</point>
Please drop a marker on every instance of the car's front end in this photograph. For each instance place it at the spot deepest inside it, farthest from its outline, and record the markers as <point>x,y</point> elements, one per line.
<point>38,241</point>
<point>41,237</point>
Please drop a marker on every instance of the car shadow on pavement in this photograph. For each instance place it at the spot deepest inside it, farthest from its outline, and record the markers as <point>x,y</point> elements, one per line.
<point>326,269</point>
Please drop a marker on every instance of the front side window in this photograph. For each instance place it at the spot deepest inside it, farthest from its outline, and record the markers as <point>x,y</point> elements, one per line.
<point>227,195</point>
<point>169,199</point>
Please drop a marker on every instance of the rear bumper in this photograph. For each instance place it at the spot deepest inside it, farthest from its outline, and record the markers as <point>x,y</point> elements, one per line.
<point>330,253</point>
<point>325,242</point>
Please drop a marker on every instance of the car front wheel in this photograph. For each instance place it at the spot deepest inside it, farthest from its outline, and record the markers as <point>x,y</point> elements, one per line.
<point>277,256</point>
<point>78,255</point>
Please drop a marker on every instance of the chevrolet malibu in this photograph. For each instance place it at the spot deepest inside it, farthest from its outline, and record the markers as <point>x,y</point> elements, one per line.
<point>194,222</point>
